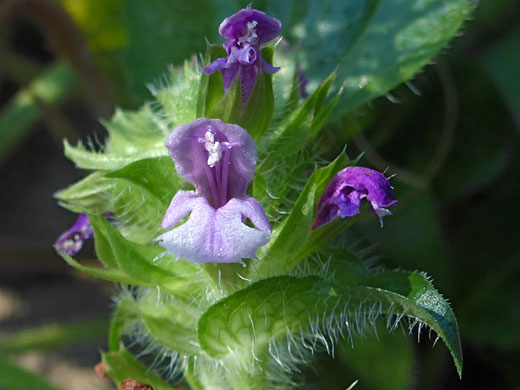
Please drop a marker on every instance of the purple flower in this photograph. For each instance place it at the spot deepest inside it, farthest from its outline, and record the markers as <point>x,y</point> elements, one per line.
<point>219,160</point>
<point>342,196</point>
<point>72,240</point>
<point>244,32</point>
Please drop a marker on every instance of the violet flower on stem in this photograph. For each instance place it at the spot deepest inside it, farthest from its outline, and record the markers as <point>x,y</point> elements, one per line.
<point>219,160</point>
<point>342,196</point>
<point>244,32</point>
<point>71,241</point>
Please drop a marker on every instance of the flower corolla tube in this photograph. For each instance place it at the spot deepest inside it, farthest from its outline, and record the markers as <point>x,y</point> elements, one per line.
<point>342,196</point>
<point>244,32</point>
<point>219,160</point>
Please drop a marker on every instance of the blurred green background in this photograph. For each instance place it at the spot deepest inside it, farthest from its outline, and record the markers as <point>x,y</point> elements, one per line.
<point>450,135</point>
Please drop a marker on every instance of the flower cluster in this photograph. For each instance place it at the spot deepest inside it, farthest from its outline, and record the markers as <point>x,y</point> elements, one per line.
<point>218,221</point>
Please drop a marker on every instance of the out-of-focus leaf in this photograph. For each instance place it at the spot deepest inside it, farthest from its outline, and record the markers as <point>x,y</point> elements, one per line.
<point>13,377</point>
<point>502,63</point>
<point>412,238</point>
<point>366,358</point>
<point>488,258</point>
<point>102,22</point>
<point>123,365</point>
<point>23,110</point>
<point>246,321</point>
<point>376,44</point>
<point>53,336</point>
<point>163,32</point>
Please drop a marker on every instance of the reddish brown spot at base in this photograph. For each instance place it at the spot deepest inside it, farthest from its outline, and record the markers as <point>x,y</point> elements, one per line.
<point>132,384</point>
<point>101,370</point>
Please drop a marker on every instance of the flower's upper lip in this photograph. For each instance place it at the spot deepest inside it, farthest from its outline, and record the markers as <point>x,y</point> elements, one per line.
<point>187,148</point>
<point>267,28</point>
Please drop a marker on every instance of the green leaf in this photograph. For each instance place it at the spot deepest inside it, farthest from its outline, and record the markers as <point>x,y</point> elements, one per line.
<point>294,132</point>
<point>126,311</point>
<point>87,159</point>
<point>133,135</point>
<point>112,275</point>
<point>125,255</point>
<point>13,377</point>
<point>16,118</point>
<point>284,306</point>
<point>211,88</point>
<point>135,131</point>
<point>156,175</point>
<point>123,365</point>
<point>134,263</point>
<point>229,107</point>
<point>92,194</point>
<point>376,44</point>
<point>256,115</point>
<point>53,336</point>
<point>139,212</point>
<point>172,334</point>
<point>179,96</point>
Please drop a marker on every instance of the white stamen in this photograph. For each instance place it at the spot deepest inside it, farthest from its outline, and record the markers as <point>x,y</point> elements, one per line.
<point>213,148</point>
<point>250,36</point>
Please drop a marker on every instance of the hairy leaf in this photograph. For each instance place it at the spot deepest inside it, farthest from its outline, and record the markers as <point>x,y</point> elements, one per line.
<point>282,307</point>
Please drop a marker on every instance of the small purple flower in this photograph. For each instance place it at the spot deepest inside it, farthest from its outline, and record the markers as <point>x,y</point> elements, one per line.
<point>219,160</point>
<point>244,32</point>
<point>342,196</point>
<point>72,240</point>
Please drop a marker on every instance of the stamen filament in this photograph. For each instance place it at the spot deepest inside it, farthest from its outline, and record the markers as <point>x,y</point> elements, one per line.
<point>225,175</point>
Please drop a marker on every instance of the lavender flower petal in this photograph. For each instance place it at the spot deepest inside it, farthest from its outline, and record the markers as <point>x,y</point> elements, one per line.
<point>71,241</point>
<point>268,68</point>
<point>235,26</point>
<point>216,235</point>
<point>187,148</point>
<point>342,196</point>
<point>218,64</point>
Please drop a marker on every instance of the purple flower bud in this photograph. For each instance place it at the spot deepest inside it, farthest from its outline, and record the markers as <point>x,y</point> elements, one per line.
<point>72,240</point>
<point>342,196</point>
<point>219,160</point>
<point>244,32</point>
